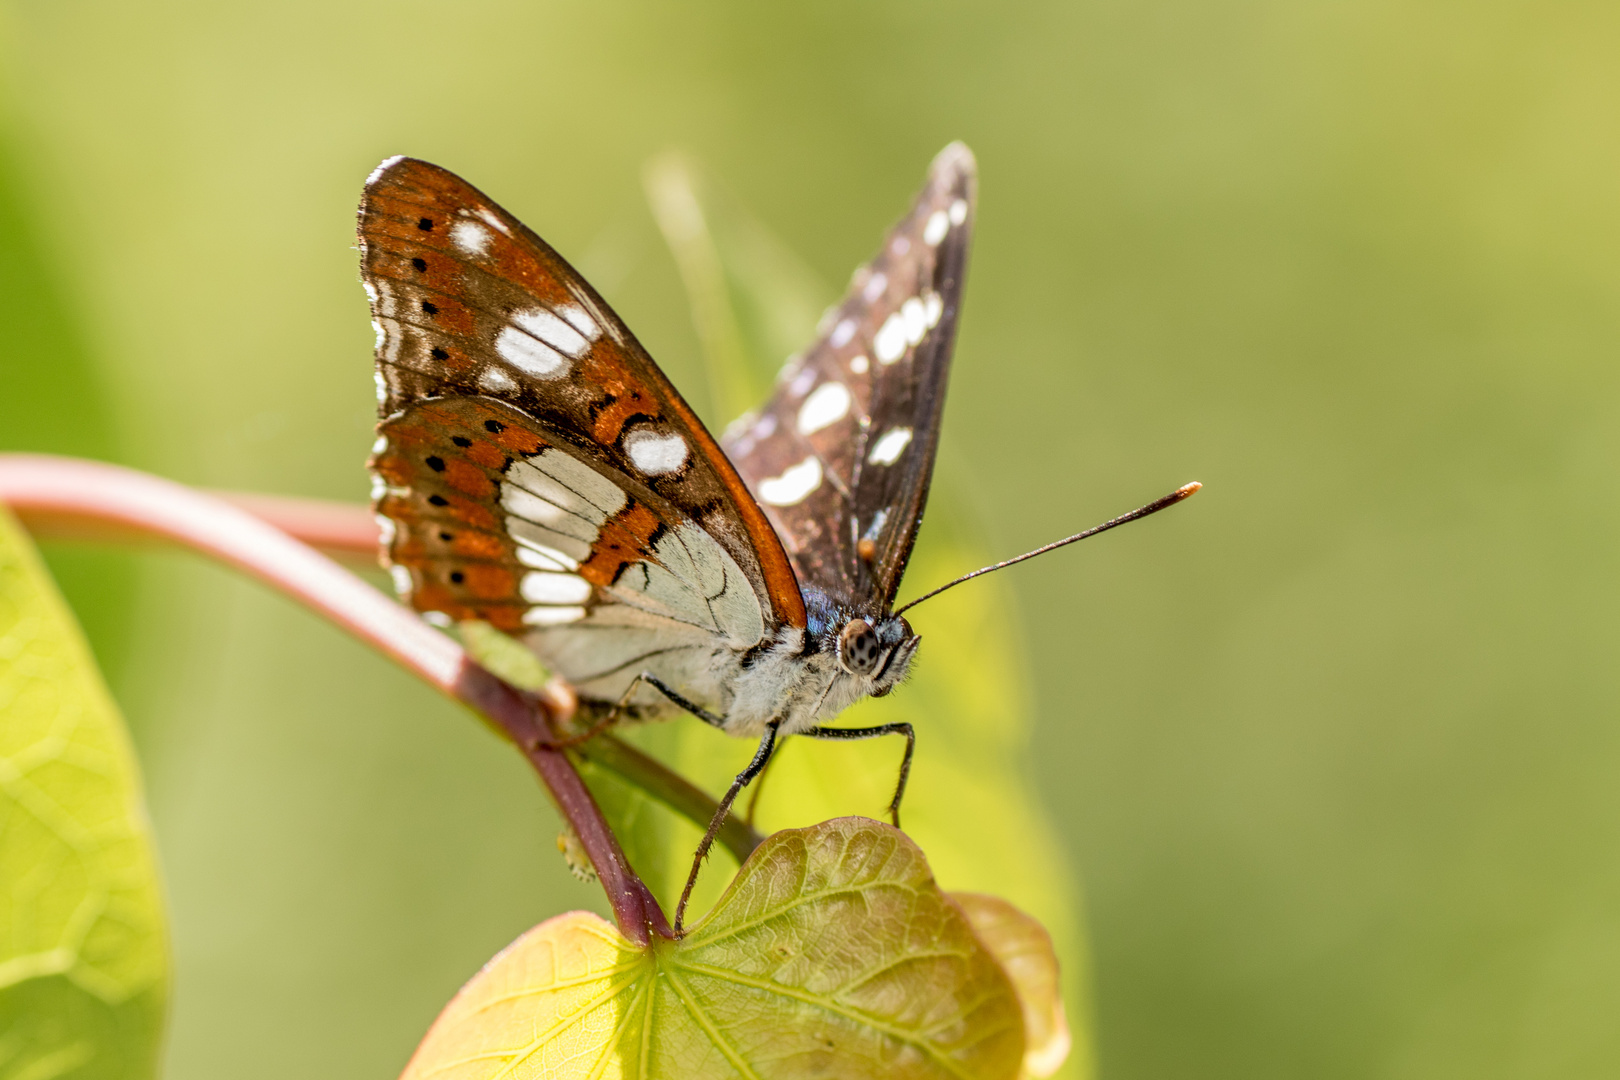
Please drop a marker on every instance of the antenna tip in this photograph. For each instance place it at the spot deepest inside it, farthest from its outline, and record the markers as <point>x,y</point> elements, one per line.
<point>1187,489</point>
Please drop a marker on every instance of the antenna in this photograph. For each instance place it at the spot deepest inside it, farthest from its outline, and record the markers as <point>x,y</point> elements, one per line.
<point>1140,512</point>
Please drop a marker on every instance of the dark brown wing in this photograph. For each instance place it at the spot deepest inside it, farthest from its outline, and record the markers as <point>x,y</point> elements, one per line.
<point>841,455</point>
<point>468,303</point>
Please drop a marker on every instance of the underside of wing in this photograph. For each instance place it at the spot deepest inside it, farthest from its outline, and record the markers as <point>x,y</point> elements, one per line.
<point>491,515</point>
<point>842,453</point>
<point>475,312</point>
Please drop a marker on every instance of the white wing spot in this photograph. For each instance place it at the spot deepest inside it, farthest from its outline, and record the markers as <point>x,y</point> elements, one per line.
<point>402,581</point>
<point>656,453</point>
<point>380,445</point>
<point>470,237</point>
<point>552,330</point>
<point>958,211</point>
<point>386,530</point>
<point>916,319</point>
<point>875,286</point>
<point>796,482</point>
<point>805,380</point>
<point>936,307</point>
<point>496,380</point>
<point>842,333</point>
<point>766,426</point>
<point>539,556</point>
<point>938,225</point>
<point>552,616</point>
<point>382,335</point>
<point>859,364</point>
<point>437,618</point>
<point>580,320</point>
<point>544,539</point>
<point>565,483</point>
<point>371,291</point>
<point>890,342</point>
<point>495,222</point>
<point>548,587</point>
<point>526,354</point>
<point>828,405</point>
<point>886,451</point>
<point>900,246</point>
<point>382,387</point>
<point>531,507</point>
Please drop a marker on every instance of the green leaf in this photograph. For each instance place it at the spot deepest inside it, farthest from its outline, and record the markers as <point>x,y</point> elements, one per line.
<point>833,953</point>
<point>83,956</point>
<point>502,656</point>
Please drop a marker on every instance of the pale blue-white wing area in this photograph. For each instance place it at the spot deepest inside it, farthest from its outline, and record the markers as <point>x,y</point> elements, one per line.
<point>492,516</point>
<point>842,453</point>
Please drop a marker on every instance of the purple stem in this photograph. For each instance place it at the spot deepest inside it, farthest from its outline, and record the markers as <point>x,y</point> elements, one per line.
<point>109,500</point>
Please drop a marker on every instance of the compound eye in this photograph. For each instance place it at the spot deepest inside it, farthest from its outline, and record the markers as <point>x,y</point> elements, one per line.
<point>858,647</point>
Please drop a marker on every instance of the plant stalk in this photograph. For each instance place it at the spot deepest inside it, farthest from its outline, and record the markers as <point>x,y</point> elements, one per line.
<point>110,501</point>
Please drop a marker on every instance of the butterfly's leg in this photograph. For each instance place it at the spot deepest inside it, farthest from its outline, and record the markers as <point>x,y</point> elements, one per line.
<point>873,733</point>
<point>762,756</point>
<point>759,787</point>
<point>690,706</point>
<point>624,700</point>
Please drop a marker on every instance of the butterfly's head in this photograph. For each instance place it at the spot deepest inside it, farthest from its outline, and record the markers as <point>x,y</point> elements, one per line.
<point>877,652</point>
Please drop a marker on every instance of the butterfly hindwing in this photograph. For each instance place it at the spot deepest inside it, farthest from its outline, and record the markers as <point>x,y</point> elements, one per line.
<point>490,517</point>
<point>467,302</point>
<point>841,454</point>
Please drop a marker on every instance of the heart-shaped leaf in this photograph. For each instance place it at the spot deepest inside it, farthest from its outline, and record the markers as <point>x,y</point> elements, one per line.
<point>833,953</point>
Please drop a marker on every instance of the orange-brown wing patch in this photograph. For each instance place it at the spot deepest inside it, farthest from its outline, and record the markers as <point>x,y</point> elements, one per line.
<point>628,538</point>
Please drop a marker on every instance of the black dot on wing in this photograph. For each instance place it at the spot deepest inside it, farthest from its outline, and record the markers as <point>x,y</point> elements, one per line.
<point>438,500</point>
<point>436,463</point>
<point>426,224</point>
<point>440,354</point>
<point>420,264</point>
<point>430,308</point>
<point>494,427</point>
<point>457,576</point>
<point>446,537</point>
<point>461,440</point>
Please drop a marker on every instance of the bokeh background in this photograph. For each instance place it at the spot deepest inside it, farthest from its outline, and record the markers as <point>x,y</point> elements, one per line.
<point>1332,749</point>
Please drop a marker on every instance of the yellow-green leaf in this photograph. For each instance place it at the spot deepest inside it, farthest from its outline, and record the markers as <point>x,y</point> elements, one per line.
<point>832,954</point>
<point>1023,948</point>
<point>83,956</point>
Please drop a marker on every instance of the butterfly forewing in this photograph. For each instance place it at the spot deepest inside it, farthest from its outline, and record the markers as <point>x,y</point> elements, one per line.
<point>841,454</point>
<point>469,302</point>
<point>534,469</point>
<point>469,305</point>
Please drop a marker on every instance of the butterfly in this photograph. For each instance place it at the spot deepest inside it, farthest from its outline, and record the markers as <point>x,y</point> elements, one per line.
<point>534,469</point>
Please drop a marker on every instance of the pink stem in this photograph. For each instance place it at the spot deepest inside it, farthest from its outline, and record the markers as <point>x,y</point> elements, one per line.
<point>65,494</point>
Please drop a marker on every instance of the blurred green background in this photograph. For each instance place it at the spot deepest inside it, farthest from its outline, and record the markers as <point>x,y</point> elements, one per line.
<point>1333,749</point>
